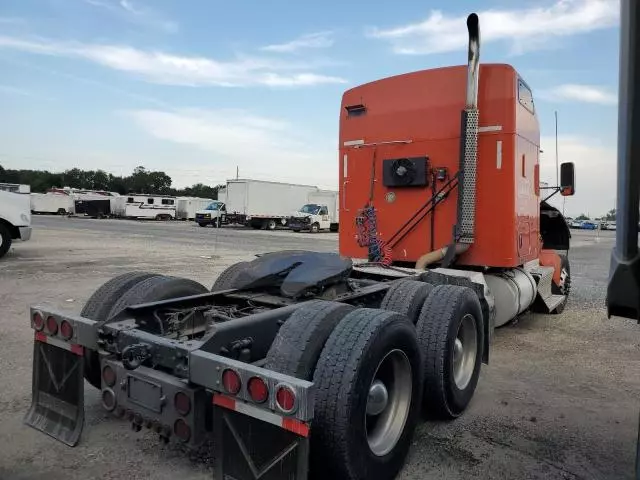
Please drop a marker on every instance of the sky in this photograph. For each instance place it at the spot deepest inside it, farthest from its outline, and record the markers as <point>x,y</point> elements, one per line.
<point>199,88</point>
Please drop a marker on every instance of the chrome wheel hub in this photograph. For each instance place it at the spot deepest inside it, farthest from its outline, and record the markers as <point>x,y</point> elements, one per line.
<point>465,349</point>
<point>388,402</point>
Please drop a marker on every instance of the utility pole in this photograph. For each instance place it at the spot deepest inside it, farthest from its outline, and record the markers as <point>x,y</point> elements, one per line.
<point>237,172</point>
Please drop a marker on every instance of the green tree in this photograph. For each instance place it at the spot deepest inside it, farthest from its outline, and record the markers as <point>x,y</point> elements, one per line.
<point>611,215</point>
<point>582,216</point>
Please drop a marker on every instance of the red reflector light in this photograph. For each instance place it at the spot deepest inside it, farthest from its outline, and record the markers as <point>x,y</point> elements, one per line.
<point>38,321</point>
<point>258,390</point>
<point>231,381</point>
<point>285,398</point>
<point>52,325</point>
<point>182,403</point>
<point>66,330</point>
<point>109,376</point>
<point>182,430</point>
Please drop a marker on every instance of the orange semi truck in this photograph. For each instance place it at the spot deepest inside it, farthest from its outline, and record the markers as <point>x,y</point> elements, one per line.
<point>301,363</point>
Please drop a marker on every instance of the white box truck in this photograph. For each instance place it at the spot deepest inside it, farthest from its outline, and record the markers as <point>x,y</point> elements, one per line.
<point>15,215</point>
<point>257,203</point>
<point>186,207</point>
<point>321,212</point>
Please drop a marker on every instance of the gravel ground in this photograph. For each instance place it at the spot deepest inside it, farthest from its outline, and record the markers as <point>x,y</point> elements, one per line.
<point>559,399</point>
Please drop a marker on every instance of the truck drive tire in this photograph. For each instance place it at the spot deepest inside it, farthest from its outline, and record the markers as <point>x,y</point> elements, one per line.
<point>155,289</point>
<point>566,288</point>
<point>98,307</point>
<point>226,280</point>
<point>451,336</point>
<point>315,227</point>
<point>368,389</point>
<point>299,342</point>
<point>5,239</point>
<point>406,297</point>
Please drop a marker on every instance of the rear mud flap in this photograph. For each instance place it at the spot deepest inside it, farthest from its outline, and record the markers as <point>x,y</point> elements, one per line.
<point>57,406</point>
<point>249,449</point>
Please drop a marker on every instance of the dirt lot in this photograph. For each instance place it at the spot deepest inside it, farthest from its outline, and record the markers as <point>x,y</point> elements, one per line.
<point>559,399</point>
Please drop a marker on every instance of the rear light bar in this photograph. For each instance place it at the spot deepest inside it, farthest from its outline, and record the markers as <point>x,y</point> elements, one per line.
<point>262,388</point>
<point>59,327</point>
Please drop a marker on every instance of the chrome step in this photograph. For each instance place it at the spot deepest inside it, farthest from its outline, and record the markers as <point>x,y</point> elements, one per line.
<point>553,301</point>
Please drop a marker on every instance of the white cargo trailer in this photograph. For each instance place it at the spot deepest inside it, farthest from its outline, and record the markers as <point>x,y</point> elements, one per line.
<point>52,203</point>
<point>158,207</point>
<point>186,207</point>
<point>321,212</point>
<point>263,204</point>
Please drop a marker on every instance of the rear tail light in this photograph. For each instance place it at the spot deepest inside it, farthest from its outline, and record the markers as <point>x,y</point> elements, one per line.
<point>258,390</point>
<point>231,381</point>
<point>109,376</point>
<point>38,321</point>
<point>52,325</point>
<point>285,398</point>
<point>66,330</point>
<point>182,430</point>
<point>182,403</point>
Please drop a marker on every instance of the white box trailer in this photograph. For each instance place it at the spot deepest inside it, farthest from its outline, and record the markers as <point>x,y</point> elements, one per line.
<point>52,203</point>
<point>321,212</point>
<point>186,207</point>
<point>158,207</point>
<point>264,204</point>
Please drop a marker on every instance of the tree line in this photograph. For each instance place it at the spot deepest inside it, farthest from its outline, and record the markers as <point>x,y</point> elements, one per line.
<point>140,181</point>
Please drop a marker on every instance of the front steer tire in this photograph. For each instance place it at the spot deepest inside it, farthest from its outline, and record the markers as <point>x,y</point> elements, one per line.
<point>98,307</point>
<point>566,289</point>
<point>5,239</point>
<point>445,310</point>
<point>299,342</point>
<point>340,445</point>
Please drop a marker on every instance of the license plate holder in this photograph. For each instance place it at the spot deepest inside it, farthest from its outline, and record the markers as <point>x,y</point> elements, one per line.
<point>145,393</point>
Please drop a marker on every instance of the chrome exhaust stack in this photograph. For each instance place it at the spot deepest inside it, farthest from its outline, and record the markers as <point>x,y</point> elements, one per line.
<point>469,139</point>
<point>473,26</point>
<point>463,232</point>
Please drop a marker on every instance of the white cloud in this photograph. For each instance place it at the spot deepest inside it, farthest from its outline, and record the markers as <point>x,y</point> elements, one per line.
<point>12,90</point>
<point>311,40</point>
<point>580,93</point>
<point>139,15</point>
<point>521,29</point>
<point>169,69</point>
<point>261,147</point>
<point>596,167</point>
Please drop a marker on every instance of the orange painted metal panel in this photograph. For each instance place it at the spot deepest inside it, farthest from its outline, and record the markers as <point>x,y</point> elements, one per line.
<point>420,113</point>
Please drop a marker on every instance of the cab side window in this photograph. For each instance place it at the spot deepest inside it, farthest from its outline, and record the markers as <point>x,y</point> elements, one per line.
<point>324,211</point>
<point>525,96</point>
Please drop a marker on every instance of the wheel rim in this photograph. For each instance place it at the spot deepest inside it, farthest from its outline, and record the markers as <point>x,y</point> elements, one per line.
<point>388,402</point>
<point>465,349</point>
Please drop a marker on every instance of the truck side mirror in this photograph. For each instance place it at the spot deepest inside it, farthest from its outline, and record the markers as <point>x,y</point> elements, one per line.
<point>567,179</point>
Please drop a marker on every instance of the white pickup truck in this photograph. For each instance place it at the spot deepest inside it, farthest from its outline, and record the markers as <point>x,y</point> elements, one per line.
<point>320,213</point>
<point>15,215</point>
